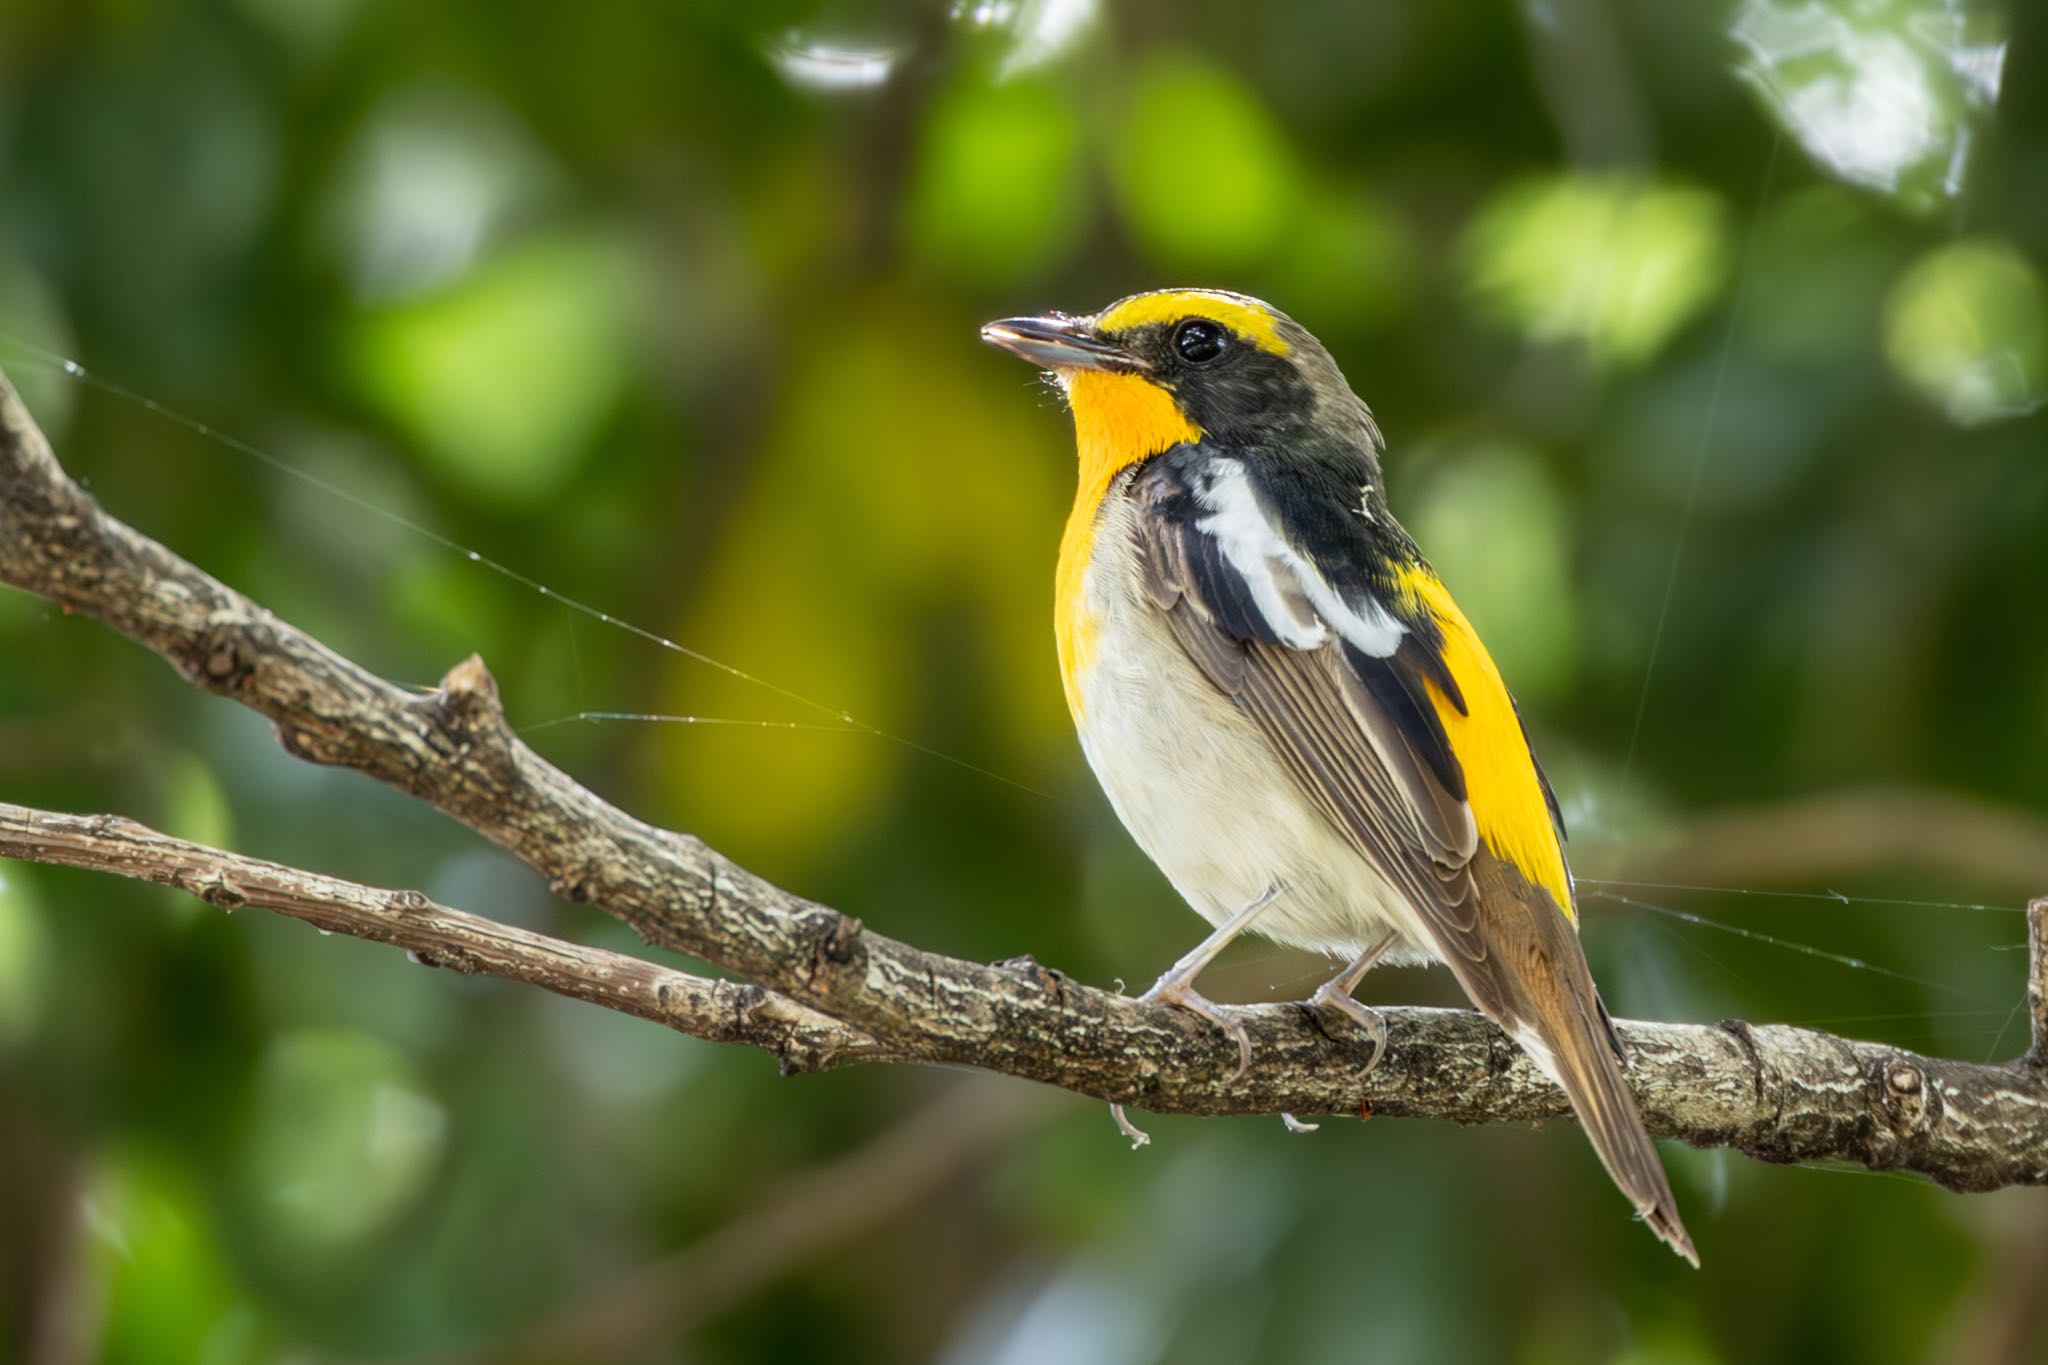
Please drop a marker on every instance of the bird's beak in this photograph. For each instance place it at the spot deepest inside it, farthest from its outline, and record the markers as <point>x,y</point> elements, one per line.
<point>1058,343</point>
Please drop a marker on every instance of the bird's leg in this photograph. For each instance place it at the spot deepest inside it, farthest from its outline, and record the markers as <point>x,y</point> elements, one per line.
<point>1336,994</point>
<point>1177,986</point>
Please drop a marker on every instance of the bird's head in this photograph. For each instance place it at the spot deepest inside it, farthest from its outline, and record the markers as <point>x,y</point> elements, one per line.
<point>1154,370</point>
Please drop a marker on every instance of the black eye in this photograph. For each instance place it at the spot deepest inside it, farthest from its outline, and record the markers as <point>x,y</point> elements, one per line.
<point>1199,340</point>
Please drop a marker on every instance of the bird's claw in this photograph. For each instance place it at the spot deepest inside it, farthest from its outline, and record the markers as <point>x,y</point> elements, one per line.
<point>1138,1136</point>
<point>1169,990</point>
<point>1365,1016</point>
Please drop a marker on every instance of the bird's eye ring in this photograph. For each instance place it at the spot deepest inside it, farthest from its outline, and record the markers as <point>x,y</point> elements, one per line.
<point>1199,341</point>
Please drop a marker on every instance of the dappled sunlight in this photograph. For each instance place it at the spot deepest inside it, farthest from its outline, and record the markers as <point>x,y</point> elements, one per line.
<point>829,67</point>
<point>1027,35</point>
<point>1889,95</point>
<point>434,178</point>
<point>1968,328</point>
<point>1038,31</point>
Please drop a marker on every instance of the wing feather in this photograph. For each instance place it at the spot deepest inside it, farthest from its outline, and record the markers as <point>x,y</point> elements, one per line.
<point>1357,730</point>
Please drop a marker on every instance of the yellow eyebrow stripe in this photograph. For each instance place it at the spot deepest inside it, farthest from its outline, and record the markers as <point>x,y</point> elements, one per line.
<point>1247,317</point>
<point>1500,771</point>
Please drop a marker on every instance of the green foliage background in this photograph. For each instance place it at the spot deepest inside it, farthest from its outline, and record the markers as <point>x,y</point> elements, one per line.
<point>664,307</point>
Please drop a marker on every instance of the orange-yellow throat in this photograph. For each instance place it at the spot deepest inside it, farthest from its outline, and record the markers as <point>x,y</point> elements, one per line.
<point>1119,420</point>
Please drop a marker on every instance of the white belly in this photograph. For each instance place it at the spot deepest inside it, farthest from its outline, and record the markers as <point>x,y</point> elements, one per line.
<point>1202,793</point>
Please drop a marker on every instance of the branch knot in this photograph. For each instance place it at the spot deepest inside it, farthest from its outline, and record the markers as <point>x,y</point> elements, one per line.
<point>222,659</point>
<point>834,942</point>
<point>468,695</point>
<point>1046,980</point>
<point>1912,1102</point>
<point>217,890</point>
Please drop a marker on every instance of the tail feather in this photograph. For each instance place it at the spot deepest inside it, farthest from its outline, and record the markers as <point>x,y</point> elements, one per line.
<point>1571,1048</point>
<point>1535,984</point>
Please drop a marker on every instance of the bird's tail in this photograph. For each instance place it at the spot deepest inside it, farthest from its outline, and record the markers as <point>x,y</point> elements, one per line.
<point>1575,1044</point>
<point>1535,984</point>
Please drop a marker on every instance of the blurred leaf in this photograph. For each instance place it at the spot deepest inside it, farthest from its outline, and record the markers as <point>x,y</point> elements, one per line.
<point>997,192</point>
<point>1203,172</point>
<point>503,378</point>
<point>906,466</point>
<point>1498,530</point>
<point>767,609</point>
<point>1967,326</point>
<point>169,1291</point>
<point>194,806</point>
<point>24,956</point>
<point>31,310</point>
<point>434,177</point>
<point>1884,93</point>
<point>1669,1343</point>
<point>312,27</point>
<point>1034,33</point>
<point>1619,264</point>
<point>342,1140</point>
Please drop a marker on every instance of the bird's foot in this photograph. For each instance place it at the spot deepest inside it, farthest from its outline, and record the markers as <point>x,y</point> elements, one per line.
<point>1177,989</point>
<point>1331,995</point>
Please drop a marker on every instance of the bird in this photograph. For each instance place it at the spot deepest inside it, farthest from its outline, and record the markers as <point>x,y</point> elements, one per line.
<point>1286,707</point>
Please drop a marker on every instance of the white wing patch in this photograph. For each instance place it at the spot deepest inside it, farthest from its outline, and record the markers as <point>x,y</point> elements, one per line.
<point>1278,577</point>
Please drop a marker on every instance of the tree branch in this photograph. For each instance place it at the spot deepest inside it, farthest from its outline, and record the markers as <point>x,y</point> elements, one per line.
<point>1777,1093</point>
<point>717,1011</point>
